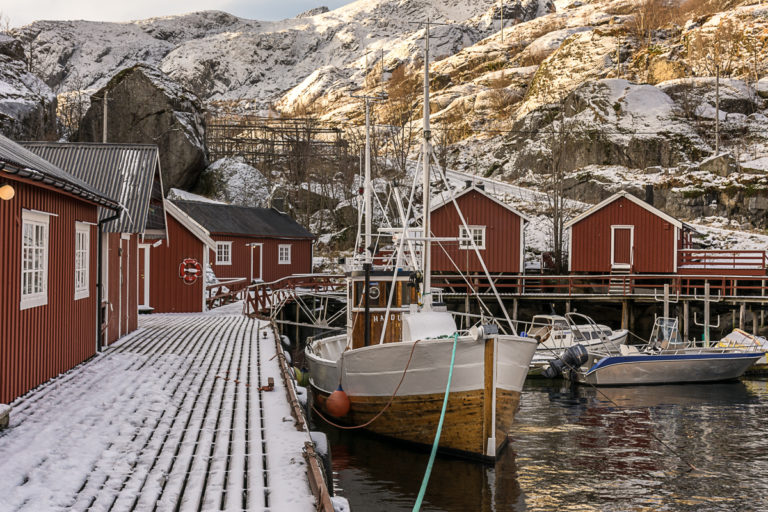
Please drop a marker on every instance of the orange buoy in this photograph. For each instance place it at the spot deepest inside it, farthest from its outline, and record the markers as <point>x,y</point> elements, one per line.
<point>338,403</point>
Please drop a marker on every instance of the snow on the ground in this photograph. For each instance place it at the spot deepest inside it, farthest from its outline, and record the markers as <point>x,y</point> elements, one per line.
<point>168,416</point>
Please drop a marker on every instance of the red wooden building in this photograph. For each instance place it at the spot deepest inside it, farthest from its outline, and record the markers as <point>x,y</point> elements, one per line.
<point>130,174</point>
<point>48,298</point>
<point>258,244</point>
<point>498,231</point>
<point>176,271</point>
<point>624,234</point>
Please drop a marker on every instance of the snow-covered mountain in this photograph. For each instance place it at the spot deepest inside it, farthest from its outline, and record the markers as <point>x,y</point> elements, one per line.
<point>230,58</point>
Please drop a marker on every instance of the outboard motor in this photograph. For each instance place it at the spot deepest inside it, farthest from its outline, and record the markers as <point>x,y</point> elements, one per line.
<point>573,357</point>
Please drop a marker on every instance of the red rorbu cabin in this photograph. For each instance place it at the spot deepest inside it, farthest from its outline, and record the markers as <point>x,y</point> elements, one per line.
<point>497,229</point>
<point>257,244</point>
<point>130,174</point>
<point>624,234</point>
<point>48,297</point>
<point>176,270</point>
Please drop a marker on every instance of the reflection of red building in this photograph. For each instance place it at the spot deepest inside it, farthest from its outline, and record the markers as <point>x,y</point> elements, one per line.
<point>253,243</point>
<point>498,231</point>
<point>625,234</point>
<point>48,243</point>
<point>130,174</point>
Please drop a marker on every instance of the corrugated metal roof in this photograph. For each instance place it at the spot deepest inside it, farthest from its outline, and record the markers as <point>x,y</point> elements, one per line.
<point>16,159</point>
<point>124,172</point>
<point>242,220</point>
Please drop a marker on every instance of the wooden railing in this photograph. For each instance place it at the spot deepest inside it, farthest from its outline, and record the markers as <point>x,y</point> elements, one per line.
<point>261,297</point>
<point>224,291</point>
<point>692,261</point>
<point>634,285</point>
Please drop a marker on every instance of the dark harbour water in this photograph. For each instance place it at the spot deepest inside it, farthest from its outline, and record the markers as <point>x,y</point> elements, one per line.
<point>574,450</point>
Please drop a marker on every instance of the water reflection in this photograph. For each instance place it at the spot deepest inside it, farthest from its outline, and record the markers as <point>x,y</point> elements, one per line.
<point>576,448</point>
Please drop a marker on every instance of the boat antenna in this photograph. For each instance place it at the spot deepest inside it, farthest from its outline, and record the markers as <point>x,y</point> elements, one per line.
<point>367,192</point>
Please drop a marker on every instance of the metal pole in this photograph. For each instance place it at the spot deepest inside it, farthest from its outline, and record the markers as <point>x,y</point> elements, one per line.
<point>706,314</point>
<point>367,182</point>
<point>501,3</point>
<point>367,314</point>
<point>717,109</point>
<point>104,124</point>
<point>427,297</point>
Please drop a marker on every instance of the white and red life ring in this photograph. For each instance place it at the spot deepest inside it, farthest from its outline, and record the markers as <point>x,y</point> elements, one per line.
<point>190,270</point>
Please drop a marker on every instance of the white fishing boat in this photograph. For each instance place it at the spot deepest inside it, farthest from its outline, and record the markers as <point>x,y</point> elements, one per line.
<point>665,359</point>
<point>556,333</point>
<point>390,371</point>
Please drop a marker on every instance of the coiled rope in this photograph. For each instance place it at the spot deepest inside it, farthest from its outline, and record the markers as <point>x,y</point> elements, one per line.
<point>428,472</point>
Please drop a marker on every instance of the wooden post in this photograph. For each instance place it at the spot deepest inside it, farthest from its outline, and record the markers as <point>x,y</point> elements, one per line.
<point>686,314</point>
<point>465,321</point>
<point>514,312</point>
<point>742,315</point>
<point>666,300</point>
<point>568,306</point>
<point>625,314</point>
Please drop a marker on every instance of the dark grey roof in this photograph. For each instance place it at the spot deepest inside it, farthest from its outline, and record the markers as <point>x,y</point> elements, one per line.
<point>15,159</point>
<point>128,173</point>
<point>225,219</point>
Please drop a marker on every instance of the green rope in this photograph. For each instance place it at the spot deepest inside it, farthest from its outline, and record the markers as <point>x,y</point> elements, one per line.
<point>425,481</point>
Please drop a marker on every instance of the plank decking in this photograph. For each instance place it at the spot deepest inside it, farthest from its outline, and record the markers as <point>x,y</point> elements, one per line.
<point>171,418</point>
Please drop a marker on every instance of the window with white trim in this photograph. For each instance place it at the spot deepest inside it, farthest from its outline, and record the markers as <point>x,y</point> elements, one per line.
<point>82,259</point>
<point>466,236</point>
<point>34,259</point>
<point>284,254</point>
<point>223,253</point>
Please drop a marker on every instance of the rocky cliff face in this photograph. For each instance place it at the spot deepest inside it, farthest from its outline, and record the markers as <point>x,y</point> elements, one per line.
<point>144,106</point>
<point>27,104</point>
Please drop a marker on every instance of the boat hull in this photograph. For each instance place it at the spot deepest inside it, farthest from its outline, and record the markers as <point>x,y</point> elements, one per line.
<point>667,368</point>
<point>485,390</point>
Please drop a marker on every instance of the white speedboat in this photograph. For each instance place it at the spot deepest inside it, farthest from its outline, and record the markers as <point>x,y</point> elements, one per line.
<point>556,333</point>
<point>665,359</point>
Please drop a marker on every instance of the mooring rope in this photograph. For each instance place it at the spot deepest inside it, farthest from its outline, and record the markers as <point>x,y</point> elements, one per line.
<point>391,398</point>
<point>428,472</point>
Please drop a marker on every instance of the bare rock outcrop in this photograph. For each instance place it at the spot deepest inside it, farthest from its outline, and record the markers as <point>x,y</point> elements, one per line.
<point>145,106</point>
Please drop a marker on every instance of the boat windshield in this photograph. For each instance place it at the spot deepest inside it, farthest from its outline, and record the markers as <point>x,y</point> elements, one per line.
<point>665,332</point>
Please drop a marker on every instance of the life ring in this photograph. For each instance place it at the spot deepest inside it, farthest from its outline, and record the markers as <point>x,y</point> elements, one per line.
<point>189,270</point>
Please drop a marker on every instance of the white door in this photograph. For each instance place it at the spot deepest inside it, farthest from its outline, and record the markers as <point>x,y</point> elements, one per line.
<point>144,277</point>
<point>256,263</point>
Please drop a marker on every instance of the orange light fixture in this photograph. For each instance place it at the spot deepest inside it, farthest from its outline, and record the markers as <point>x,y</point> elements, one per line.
<point>6,192</point>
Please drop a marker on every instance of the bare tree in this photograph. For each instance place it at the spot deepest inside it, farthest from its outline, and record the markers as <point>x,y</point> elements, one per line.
<point>555,190</point>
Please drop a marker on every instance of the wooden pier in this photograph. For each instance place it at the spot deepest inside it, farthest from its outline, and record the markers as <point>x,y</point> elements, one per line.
<point>177,416</point>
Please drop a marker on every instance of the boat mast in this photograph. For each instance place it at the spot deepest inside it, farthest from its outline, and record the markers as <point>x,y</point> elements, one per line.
<point>426,296</point>
<point>367,182</point>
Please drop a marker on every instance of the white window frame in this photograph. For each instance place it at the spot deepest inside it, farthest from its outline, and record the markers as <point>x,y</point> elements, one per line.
<point>623,266</point>
<point>82,233</point>
<point>222,261</point>
<point>464,240</point>
<point>281,260</point>
<point>39,297</point>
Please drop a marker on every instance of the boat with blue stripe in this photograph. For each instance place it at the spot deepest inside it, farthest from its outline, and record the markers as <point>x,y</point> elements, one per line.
<point>665,359</point>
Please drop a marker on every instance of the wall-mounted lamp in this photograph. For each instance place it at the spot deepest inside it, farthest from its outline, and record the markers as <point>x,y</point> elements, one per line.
<point>6,191</point>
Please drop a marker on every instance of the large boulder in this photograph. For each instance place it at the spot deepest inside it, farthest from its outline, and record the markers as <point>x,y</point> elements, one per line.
<point>145,106</point>
<point>27,104</point>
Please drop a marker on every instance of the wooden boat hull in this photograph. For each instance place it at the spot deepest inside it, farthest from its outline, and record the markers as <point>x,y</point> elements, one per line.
<point>485,390</point>
<point>667,368</point>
